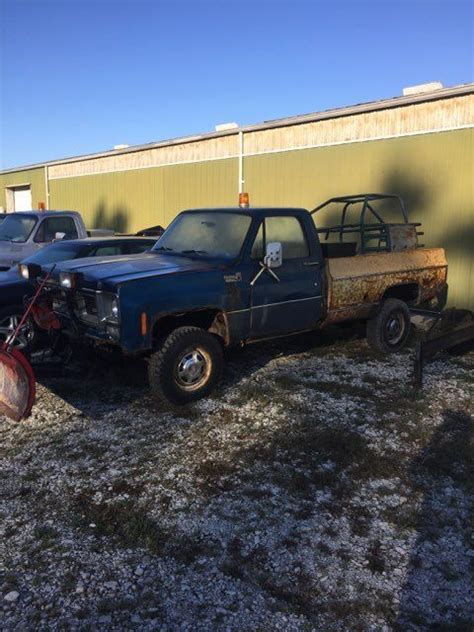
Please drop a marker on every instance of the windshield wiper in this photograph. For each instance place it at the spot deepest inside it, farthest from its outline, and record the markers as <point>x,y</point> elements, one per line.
<point>194,252</point>
<point>163,248</point>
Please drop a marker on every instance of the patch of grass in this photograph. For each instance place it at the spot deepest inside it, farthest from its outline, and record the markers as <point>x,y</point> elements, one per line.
<point>95,450</point>
<point>126,521</point>
<point>451,450</point>
<point>9,581</point>
<point>375,558</point>
<point>340,389</point>
<point>403,517</point>
<point>449,571</point>
<point>298,597</point>
<point>188,549</point>
<point>69,581</point>
<point>46,534</point>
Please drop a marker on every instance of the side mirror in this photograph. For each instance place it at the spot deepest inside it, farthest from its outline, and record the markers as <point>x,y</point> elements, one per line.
<point>274,256</point>
<point>59,236</point>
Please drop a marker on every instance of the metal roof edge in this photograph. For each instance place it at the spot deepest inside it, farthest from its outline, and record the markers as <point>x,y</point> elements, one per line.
<point>361,108</point>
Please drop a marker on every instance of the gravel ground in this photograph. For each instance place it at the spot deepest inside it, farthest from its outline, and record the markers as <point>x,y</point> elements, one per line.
<point>316,490</point>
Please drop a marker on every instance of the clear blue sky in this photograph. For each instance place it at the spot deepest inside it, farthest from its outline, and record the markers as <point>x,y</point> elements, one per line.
<point>82,76</point>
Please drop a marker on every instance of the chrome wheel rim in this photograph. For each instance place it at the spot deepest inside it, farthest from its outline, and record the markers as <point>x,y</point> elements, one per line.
<point>395,328</point>
<point>193,368</point>
<point>8,327</point>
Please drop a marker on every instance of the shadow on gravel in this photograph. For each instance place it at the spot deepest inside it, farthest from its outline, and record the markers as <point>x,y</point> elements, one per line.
<point>440,575</point>
<point>98,383</point>
<point>243,362</point>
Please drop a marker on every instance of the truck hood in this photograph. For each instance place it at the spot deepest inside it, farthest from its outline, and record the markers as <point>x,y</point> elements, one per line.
<point>10,276</point>
<point>111,271</point>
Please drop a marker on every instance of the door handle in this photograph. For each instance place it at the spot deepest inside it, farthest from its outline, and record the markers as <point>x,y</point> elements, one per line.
<point>311,263</point>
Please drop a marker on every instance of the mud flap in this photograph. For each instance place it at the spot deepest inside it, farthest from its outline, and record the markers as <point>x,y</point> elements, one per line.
<point>17,384</point>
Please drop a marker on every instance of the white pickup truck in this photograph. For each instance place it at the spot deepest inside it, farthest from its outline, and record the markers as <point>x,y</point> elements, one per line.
<point>25,232</point>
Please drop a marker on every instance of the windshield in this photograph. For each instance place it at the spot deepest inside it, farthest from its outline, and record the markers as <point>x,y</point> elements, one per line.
<point>17,228</point>
<point>54,253</point>
<point>206,233</point>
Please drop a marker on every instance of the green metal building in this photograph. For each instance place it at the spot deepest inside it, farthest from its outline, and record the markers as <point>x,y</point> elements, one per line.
<point>419,145</point>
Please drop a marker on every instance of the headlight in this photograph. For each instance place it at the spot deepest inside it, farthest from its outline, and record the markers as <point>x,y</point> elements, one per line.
<point>109,307</point>
<point>114,308</point>
<point>30,271</point>
<point>66,280</point>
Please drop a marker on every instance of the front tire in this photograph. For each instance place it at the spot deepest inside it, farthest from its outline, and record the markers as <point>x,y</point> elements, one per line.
<point>389,329</point>
<point>186,367</point>
<point>10,317</point>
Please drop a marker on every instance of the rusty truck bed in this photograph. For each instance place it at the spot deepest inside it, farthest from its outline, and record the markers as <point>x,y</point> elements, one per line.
<point>357,284</point>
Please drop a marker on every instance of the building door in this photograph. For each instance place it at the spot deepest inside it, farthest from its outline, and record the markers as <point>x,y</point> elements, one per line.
<point>19,198</point>
<point>22,198</point>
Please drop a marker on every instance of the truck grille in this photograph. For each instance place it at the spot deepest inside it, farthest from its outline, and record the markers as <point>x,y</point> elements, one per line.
<point>86,307</point>
<point>90,305</point>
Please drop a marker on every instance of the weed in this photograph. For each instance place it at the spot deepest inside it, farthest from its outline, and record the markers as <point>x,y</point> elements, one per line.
<point>124,520</point>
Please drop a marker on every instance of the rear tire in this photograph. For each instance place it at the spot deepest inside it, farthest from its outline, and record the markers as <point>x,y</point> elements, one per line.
<point>389,329</point>
<point>187,366</point>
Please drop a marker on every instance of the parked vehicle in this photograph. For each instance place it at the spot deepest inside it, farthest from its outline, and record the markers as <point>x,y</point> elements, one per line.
<point>232,276</point>
<point>152,231</point>
<point>14,288</point>
<point>25,232</point>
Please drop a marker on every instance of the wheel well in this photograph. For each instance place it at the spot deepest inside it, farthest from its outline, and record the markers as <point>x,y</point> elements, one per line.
<point>211,320</point>
<point>407,292</point>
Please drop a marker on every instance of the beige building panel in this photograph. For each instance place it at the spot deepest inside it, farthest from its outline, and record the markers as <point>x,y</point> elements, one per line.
<point>451,113</point>
<point>205,150</point>
<point>413,119</point>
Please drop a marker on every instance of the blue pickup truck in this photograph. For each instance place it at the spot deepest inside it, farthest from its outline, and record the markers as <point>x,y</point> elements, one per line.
<point>233,276</point>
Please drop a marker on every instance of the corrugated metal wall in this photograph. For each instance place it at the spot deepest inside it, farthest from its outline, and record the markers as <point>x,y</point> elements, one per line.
<point>130,200</point>
<point>33,177</point>
<point>433,172</point>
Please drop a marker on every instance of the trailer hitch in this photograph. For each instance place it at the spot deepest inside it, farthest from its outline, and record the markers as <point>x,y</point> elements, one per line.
<point>451,328</point>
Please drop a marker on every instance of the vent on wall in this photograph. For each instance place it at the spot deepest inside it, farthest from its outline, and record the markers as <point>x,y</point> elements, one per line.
<point>223,127</point>
<point>422,87</point>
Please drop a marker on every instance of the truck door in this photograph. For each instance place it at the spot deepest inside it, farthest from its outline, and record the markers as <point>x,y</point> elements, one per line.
<point>292,301</point>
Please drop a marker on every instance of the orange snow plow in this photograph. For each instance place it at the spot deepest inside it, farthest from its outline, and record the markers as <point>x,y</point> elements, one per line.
<point>17,379</point>
<point>17,384</point>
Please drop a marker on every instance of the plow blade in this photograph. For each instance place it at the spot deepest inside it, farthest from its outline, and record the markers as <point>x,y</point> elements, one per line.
<point>17,385</point>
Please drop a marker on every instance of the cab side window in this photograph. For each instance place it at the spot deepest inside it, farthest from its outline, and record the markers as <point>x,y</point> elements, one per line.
<point>136,249</point>
<point>108,251</point>
<point>286,230</point>
<point>52,225</point>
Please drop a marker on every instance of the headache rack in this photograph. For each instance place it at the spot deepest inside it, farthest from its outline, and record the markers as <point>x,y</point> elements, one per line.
<point>376,235</point>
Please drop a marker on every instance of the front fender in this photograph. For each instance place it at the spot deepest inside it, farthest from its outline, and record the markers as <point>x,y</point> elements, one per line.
<point>158,297</point>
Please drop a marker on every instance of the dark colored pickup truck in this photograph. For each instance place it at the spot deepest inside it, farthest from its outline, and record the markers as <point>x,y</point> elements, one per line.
<point>230,276</point>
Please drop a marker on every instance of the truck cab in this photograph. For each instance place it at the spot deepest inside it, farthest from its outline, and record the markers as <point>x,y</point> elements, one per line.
<point>25,232</point>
